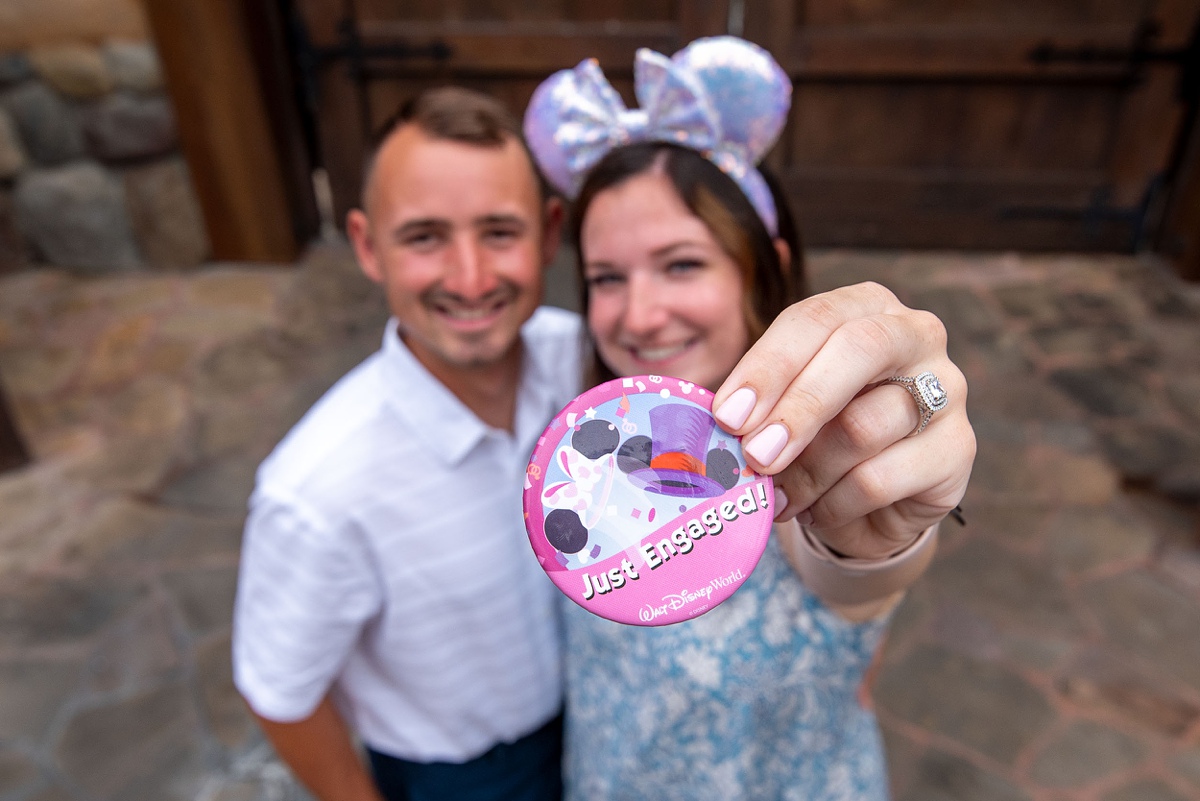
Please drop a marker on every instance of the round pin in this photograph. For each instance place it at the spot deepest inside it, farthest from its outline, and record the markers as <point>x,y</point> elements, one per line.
<point>640,507</point>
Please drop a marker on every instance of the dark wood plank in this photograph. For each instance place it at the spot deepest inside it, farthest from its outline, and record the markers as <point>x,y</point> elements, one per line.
<point>927,123</point>
<point>1149,130</point>
<point>344,138</point>
<point>503,49</point>
<point>950,209</point>
<point>224,129</point>
<point>542,10</point>
<point>342,134</point>
<point>284,101</point>
<point>12,449</point>
<point>697,18</point>
<point>1180,235</point>
<point>952,125</point>
<point>977,13</point>
<point>945,52</point>
<point>525,48</point>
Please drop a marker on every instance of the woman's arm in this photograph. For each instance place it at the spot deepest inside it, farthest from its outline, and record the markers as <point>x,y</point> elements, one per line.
<point>857,589</point>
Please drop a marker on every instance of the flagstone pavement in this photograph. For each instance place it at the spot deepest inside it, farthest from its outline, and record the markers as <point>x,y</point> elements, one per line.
<point>1052,653</point>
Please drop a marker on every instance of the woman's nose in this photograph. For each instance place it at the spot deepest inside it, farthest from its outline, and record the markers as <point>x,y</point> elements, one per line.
<point>645,307</point>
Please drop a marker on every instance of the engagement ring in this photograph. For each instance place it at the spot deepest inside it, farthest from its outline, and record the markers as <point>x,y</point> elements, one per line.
<point>927,392</point>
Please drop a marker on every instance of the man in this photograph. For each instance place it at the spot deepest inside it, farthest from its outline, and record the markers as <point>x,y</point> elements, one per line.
<point>387,591</point>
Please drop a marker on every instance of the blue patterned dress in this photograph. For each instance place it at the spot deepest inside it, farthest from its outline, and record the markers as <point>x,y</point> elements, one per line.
<point>757,699</point>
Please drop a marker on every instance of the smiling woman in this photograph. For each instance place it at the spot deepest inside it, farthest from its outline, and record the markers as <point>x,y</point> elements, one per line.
<point>678,267</point>
<point>687,252</point>
<point>663,296</point>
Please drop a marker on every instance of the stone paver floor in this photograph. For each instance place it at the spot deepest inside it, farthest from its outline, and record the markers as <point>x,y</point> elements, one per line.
<point>1052,653</point>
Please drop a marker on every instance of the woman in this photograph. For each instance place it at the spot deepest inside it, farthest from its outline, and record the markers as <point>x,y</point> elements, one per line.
<point>684,256</point>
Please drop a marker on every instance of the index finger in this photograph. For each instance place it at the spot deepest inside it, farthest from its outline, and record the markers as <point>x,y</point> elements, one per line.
<point>768,368</point>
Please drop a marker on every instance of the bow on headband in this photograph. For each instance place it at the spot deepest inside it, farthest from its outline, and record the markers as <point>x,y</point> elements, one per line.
<point>721,96</point>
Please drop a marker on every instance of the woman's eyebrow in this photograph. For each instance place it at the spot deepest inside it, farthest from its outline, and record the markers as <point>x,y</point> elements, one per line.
<point>666,250</point>
<point>598,264</point>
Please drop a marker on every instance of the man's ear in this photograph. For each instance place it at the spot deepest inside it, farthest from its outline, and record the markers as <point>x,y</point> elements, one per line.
<point>785,254</point>
<point>358,231</point>
<point>552,223</point>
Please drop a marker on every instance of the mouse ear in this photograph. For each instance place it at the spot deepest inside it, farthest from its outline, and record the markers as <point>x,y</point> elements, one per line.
<point>723,467</point>
<point>635,454</point>
<point>596,438</point>
<point>565,531</point>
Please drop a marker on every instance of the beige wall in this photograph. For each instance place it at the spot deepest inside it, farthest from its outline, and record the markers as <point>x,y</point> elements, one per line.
<point>30,23</point>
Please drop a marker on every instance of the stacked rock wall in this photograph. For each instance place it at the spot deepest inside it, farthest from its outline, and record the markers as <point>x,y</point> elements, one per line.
<point>91,177</point>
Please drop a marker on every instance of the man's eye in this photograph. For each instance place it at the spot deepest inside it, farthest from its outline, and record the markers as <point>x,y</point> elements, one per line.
<point>501,235</point>
<point>422,240</point>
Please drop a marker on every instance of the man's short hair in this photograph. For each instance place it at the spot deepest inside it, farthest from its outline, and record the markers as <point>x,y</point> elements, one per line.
<point>458,115</point>
<point>455,113</point>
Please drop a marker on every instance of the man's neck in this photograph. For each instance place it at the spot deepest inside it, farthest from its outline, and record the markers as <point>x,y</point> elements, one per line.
<point>490,391</point>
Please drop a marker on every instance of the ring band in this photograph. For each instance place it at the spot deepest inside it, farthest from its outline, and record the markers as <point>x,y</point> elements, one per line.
<point>927,391</point>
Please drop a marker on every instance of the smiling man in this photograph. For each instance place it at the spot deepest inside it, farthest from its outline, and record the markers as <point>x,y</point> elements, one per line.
<point>458,236</point>
<point>387,593</point>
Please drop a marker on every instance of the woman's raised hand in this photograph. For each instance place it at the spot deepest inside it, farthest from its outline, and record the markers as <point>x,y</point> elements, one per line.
<point>813,405</point>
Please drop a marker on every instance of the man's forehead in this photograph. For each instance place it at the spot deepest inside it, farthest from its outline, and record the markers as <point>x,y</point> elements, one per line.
<point>411,149</point>
<point>417,171</point>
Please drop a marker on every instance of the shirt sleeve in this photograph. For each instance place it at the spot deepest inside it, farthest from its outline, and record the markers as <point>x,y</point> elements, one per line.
<point>305,591</point>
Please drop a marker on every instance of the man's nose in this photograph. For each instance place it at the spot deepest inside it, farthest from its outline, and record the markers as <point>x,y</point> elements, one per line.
<point>470,272</point>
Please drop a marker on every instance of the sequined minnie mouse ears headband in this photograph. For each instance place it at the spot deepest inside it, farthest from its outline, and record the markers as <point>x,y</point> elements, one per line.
<point>721,96</point>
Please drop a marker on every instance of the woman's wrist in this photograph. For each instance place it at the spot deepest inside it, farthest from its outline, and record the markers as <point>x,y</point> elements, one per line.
<point>847,580</point>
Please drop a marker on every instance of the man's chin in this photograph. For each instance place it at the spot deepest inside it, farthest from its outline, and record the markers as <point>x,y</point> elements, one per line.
<point>479,355</point>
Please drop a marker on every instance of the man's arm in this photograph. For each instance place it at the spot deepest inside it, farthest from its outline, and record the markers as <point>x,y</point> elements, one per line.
<point>321,753</point>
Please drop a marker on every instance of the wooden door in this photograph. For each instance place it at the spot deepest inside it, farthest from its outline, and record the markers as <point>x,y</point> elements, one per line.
<point>365,57</point>
<point>12,450</point>
<point>1031,124</point>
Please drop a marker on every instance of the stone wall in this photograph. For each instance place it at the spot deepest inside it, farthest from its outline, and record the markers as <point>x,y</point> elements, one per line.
<point>91,177</point>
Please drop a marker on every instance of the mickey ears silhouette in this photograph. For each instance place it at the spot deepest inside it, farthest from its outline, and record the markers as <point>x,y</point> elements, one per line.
<point>675,460</point>
<point>565,531</point>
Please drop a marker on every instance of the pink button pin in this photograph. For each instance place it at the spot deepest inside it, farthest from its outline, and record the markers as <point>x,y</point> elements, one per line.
<point>640,507</point>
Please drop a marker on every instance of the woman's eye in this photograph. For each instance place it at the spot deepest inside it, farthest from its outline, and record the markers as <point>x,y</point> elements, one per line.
<point>684,265</point>
<point>602,280</point>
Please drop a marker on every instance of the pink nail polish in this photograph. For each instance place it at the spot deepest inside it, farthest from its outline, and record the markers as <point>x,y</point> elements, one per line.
<point>767,444</point>
<point>736,409</point>
<point>781,500</point>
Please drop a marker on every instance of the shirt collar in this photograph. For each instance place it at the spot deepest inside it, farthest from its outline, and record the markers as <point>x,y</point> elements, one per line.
<point>537,400</point>
<point>443,423</point>
<point>435,416</point>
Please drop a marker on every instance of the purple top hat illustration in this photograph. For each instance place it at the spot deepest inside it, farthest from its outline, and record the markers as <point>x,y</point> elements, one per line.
<point>679,436</point>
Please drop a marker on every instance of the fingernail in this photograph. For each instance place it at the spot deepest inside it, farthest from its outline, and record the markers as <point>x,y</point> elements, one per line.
<point>767,444</point>
<point>781,500</point>
<point>736,408</point>
<point>804,518</point>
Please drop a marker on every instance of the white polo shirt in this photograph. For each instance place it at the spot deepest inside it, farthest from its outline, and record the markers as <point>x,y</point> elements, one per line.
<point>385,555</point>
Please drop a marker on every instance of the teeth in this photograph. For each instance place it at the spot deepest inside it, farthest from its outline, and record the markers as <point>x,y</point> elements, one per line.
<point>658,354</point>
<point>468,315</point>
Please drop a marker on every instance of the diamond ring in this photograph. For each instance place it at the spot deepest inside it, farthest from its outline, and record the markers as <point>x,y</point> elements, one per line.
<point>927,392</point>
